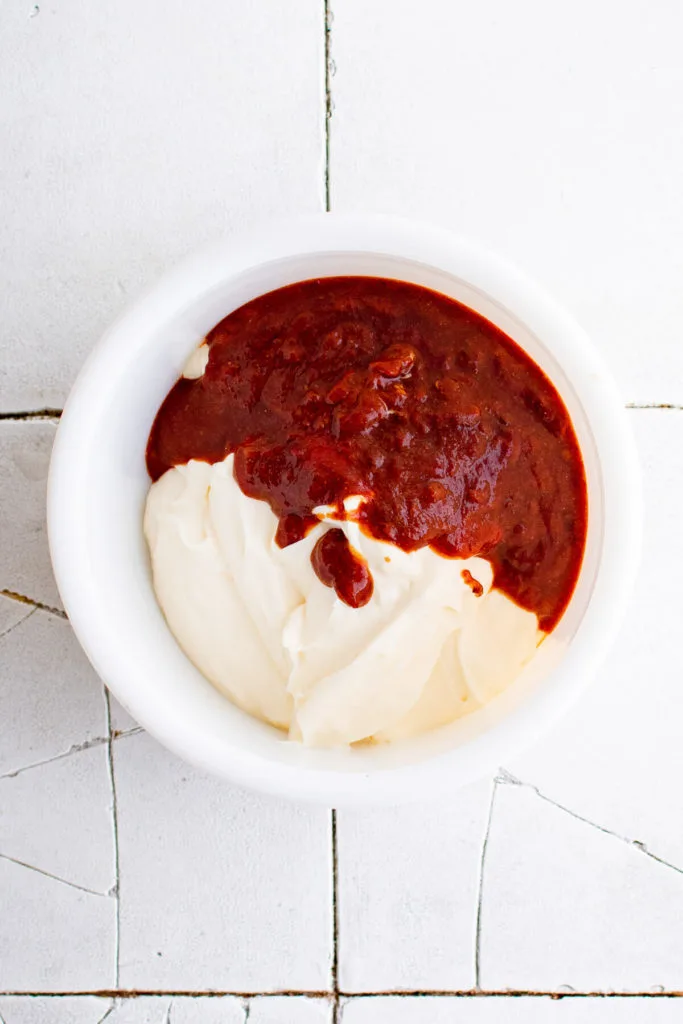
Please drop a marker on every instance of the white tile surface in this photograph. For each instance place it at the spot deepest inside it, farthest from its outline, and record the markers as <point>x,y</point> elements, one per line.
<point>545,132</point>
<point>53,938</point>
<point>55,813</point>
<point>408,882</point>
<point>57,818</point>
<point>62,1010</point>
<point>219,888</point>
<point>24,558</point>
<point>133,132</point>
<point>567,905</point>
<point>387,1010</point>
<point>224,1010</point>
<point>617,757</point>
<point>289,1010</point>
<point>165,1010</point>
<point>49,693</point>
<point>511,1011</point>
<point>177,1010</point>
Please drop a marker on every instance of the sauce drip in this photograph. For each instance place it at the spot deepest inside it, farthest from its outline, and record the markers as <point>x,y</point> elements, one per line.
<point>365,386</point>
<point>337,565</point>
<point>474,585</point>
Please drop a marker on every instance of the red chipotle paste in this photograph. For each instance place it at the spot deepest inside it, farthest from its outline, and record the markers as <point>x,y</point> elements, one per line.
<point>366,386</point>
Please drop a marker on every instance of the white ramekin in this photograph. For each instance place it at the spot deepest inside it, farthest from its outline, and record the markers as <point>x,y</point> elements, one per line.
<point>98,484</point>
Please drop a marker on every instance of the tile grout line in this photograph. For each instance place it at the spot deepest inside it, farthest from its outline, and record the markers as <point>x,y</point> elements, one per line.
<point>507,994</point>
<point>115,826</point>
<point>327,14</point>
<point>132,994</point>
<point>32,414</point>
<point>480,889</point>
<point>13,595</point>
<point>335,916</point>
<point>334,967</point>
<point>48,415</point>
<point>653,405</point>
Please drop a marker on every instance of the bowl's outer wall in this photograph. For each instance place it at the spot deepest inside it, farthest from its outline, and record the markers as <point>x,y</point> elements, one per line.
<point>98,484</point>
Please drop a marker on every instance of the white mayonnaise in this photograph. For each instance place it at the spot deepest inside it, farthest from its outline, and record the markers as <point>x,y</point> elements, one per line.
<point>259,624</point>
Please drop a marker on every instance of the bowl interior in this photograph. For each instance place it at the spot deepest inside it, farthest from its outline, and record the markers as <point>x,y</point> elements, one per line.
<point>97,492</point>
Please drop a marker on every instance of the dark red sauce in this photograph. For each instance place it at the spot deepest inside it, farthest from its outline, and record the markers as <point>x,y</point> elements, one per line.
<point>359,385</point>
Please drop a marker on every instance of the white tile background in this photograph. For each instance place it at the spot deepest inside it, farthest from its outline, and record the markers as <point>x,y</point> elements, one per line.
<point>130,132</point>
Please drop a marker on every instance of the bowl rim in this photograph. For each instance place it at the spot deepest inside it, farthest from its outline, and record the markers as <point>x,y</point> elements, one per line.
<point>417,242</point>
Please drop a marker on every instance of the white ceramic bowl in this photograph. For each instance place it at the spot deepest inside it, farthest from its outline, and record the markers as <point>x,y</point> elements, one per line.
<point>98,485</point>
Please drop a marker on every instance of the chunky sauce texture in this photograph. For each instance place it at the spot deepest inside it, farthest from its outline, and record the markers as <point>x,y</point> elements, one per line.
<point>379,388</point>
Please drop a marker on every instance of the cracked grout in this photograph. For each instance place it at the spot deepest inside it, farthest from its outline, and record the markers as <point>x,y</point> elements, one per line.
<point>21,621</point>
<point>506,778</point>
<point>55,878</point>
<point>13,595</point>
<point>115,826</point>
<point>77,748</point>
<point>480,888</point>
